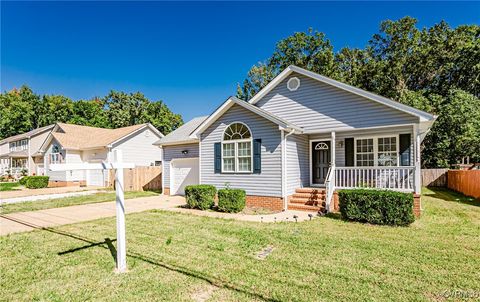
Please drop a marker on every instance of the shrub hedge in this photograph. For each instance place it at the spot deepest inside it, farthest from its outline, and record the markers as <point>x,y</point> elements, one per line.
<point>23,180</point>
<point>37,182</point>
<point>231,200</point>
<point>200,196</point>
<point>377,206</point>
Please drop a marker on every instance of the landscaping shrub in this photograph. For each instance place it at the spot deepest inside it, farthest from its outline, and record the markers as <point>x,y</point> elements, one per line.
<point>37,182</point>
<point>200,196</point>
<point>231,200</point>
<point>377,206</point>
<point>23,180</point>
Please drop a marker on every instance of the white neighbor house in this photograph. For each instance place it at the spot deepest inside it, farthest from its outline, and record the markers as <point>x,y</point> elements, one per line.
<point>69,143</point>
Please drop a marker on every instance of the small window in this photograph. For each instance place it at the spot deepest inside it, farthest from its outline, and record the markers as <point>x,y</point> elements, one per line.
<point>293,84</point>
<point>237,149</point>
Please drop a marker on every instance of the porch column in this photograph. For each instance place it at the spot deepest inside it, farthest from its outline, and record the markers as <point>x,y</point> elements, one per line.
<point>417,179</point>
<point>332,164</point>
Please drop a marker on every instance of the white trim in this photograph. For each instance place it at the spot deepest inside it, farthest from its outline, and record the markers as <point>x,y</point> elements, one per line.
<point>337,130</point>
<point>228,104</point>
<point>375,148</point>
<point>185,142</point>
<point>310,161</point>
<point>424,116</point>
<point>148,125</point>
<point>235,147</point>
<point>291,79</point>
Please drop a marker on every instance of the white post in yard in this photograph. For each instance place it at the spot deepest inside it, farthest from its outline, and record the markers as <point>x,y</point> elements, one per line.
<point>120,204</point>
<point>118,166</point>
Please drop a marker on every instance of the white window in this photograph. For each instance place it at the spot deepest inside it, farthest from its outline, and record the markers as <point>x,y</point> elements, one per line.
<point>55,158</point>
<point>381,151</point>
<point>237,149</point>
<point>365,153</point>
<point>387,151</point>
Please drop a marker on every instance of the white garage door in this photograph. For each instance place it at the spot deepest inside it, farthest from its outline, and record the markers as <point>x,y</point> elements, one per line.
<point>184,172</point>
<point>96,178</point>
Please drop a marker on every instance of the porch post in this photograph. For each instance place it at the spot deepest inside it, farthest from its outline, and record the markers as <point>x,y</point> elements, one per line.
<point>417,178</point>
<point>332,164</point>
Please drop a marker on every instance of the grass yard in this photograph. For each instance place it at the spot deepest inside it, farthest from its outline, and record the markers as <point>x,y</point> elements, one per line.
<point>68,201</point>
<point>9,186</point>
<point>178,257</point>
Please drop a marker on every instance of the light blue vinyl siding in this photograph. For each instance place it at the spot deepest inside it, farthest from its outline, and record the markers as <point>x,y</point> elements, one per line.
<point>317,106</point>
<point>297,163</point>
<point>173,152</point>
<point>269,181</point>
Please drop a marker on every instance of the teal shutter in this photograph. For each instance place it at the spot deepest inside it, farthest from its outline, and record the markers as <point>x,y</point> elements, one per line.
<point>405,152</point>
<point>257,158</point>
<point>349,152</point>
<point>218,157</point>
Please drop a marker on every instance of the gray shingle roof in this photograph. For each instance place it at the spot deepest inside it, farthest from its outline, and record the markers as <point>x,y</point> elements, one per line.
<point>182,134</point>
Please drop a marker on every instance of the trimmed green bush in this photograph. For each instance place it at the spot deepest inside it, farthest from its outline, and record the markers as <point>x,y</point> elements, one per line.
<point>231,200</point>
<point>37,182</point>
<point>23,180</point>
<point>200,196</point>
<point>377,206</point>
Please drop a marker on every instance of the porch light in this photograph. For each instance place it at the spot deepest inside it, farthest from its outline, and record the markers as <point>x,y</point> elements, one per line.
<point>185,152</point>
<point>340,144</point>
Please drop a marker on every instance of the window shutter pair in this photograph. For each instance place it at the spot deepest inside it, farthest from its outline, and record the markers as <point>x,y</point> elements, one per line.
<point>257,158</point>
<point>405,150</point>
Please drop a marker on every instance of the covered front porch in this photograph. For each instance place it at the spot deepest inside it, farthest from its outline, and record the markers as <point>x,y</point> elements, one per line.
<point>14,164</point>
<point>380,158</point>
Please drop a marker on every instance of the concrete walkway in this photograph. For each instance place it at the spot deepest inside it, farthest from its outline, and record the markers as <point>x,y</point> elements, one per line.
<point>50,196</point>
<point>44,191</point>
<point>27,221</point>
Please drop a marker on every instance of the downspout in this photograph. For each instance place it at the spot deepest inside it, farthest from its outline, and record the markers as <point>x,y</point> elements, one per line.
<point>284,166</point>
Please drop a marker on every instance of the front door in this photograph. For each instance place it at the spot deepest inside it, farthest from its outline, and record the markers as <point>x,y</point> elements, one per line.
<point>320,161</point>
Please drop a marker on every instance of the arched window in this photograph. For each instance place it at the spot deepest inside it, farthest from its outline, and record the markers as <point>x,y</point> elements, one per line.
<point>237,149</point>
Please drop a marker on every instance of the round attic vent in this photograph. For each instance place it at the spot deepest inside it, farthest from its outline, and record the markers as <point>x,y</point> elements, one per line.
<point>293,84</point>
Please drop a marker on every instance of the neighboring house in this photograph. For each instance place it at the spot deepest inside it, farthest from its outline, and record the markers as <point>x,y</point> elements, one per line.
<point>20,152</point>
<point>69,143</point>
<point>301,131</point>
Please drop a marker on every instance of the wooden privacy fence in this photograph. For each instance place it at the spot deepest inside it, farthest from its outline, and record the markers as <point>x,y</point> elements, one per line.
<point>140,178</point>
<point>434,177</point>
<point>465,181</point>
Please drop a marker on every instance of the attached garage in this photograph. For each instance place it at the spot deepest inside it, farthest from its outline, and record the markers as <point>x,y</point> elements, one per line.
<point>184,172</point>
<point>96,178</point>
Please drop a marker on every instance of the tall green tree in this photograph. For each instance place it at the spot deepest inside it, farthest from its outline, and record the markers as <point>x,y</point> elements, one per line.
<point>434,69</point>
<point>16,111</point>
<point>89,113</point>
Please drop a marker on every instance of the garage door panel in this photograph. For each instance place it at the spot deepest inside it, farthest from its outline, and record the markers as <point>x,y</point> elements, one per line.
<point>184,172</point>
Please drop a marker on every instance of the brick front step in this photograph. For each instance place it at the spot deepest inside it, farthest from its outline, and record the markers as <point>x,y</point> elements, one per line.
<point>310,190</point>
<point>302,207</point>
<point>306,201</point>
<point>309,195</point>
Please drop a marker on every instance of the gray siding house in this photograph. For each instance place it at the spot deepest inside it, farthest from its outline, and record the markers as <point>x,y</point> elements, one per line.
<point>297,141</point>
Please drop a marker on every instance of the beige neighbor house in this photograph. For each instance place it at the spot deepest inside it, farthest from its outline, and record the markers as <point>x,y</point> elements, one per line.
<point>67,144</point>
<point>19,153</point>
<point>297,142</point>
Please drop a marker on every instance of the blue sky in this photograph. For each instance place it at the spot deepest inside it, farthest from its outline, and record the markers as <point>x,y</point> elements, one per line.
<point>191,55</point>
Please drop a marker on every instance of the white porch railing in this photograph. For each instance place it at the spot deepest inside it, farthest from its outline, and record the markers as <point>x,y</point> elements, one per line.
<point>329,187</point>
<point>394,178</point>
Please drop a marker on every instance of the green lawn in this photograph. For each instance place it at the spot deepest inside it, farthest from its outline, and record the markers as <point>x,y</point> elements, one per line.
<point>9,186</point>
<point>68,201</point>
<point>178,257</point>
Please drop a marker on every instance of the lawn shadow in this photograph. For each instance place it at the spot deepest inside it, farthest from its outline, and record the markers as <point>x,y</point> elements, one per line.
<point>334,216</point>
<point>107,244</point>
<point>452,196</point>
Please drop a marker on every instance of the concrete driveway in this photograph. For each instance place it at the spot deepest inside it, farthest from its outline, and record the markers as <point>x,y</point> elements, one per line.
<point>27,221</point>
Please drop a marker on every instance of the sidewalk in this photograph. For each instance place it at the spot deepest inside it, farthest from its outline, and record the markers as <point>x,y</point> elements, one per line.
<point>44,191</point>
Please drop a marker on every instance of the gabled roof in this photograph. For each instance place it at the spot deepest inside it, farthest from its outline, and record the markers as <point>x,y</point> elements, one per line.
<point>27,134</point>
<point>424,116</point>
<point>182,134</point>
<point>76,137</point>
<point>235,101</point>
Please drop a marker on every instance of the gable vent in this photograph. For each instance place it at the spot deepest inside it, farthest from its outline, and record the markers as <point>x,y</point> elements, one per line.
<point>293,84</point>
